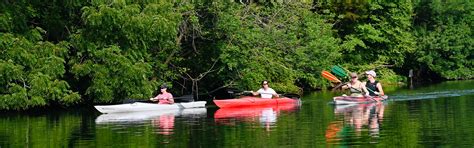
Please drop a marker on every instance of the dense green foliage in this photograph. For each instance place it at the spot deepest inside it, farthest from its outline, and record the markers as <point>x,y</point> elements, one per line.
<point>104,51</point>
<point>31,73</point>
<point>284,44</point>
<point>31,69</point>
<point>445,37</point>
<point>120,47</point>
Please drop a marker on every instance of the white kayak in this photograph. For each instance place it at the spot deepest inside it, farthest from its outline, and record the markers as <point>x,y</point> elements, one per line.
<point>357,100</point>
<point>139,107</point>
<point>133,117</point>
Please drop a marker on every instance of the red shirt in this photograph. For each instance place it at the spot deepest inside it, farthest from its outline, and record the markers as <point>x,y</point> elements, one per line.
<point>165,98</point>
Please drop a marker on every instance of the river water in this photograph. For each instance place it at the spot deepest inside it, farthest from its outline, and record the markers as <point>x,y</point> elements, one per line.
<point>435,115</point>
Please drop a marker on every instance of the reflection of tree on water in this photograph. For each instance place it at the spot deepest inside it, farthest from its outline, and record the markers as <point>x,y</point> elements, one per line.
<point>164,124</point>
<point>356,117</point>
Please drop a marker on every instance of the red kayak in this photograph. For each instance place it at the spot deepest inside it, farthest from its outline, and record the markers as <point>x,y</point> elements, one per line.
<point>253,101</point>
<point>253,111</point>
<point>357,100</point>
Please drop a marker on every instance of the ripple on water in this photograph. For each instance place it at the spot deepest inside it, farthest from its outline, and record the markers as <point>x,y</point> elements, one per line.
<point>430,95</point>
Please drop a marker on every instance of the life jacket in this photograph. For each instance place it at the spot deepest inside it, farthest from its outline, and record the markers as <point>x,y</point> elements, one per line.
<point>356,90</point>
<point>372,87</point>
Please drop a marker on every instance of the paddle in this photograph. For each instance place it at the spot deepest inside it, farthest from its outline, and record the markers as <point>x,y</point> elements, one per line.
<point>246,93</point>
<point>184,98</point>
<point>135,100</point>
<point>330,76</point>
<point>290,95</point>
<point>267,93</point>
<point>339,71</point>
<point>378,94</point>
<point>240,93</point>
<point>339,85</point>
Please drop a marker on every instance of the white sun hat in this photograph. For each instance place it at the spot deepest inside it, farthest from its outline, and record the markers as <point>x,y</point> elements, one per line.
<point>371,72</point>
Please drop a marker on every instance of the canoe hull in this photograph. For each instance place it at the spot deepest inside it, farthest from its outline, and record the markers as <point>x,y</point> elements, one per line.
<point>139,107</point>
<point>253,101</point>
<point>357,100</point>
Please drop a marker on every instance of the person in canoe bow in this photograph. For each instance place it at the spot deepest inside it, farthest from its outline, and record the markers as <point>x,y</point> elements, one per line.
<point>265,92</point>
<point>165,97</point>
<point>374,86</point>
<point>356,87</point>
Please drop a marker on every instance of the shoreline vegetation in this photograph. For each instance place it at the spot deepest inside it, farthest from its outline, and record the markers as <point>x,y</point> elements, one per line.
<point>73,53</point>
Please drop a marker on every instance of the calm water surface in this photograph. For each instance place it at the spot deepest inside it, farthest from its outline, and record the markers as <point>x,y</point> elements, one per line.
<point>429,116</point>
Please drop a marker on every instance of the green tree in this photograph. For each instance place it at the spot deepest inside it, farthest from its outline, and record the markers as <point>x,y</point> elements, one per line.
<point>31,69</point>
<point>375,34</point>
<point>285,44</point>
<point>445,37</point>
<point>122,50</point>
<point>31,73</point>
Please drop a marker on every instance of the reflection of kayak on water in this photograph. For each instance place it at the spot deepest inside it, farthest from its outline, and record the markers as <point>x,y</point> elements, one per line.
<point>138,107</point>
<point>355,118</point>
<point>351,107</point>
<point>148,115</point>
<point>266,114</point>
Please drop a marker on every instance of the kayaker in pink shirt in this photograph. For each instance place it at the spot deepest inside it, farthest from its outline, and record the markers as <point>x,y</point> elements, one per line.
<point>165,97</point>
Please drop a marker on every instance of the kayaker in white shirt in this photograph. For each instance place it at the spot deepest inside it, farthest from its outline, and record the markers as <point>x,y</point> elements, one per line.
<point>265,92</point>
<point>374,86</point>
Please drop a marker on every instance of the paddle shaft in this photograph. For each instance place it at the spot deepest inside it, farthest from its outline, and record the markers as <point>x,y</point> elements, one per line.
<point>339,85</point>
<point>378,94</point>
<point>289,95</point>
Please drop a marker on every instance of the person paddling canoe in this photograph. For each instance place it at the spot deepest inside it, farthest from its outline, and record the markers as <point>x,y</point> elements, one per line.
<point>374,86</point>
<point>165,97</point>
<point>356,87</point>
<point>265,92</point>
